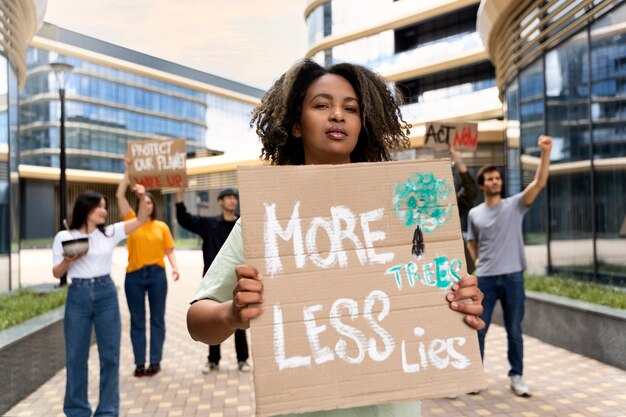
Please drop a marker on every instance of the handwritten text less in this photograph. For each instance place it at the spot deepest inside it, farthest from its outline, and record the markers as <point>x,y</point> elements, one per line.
<point>376,342</point>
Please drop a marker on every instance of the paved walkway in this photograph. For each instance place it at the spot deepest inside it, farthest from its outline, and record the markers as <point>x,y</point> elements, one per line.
<point>564,384</point>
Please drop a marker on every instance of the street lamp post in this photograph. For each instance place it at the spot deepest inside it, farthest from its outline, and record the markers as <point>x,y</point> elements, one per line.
<point>62,72</point>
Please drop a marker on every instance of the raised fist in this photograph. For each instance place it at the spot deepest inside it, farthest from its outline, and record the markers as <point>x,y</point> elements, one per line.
<point>545,143</point>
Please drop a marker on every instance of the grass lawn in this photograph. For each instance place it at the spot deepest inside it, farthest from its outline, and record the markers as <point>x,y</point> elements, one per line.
<point>577,290</point>
<point>25,304</point>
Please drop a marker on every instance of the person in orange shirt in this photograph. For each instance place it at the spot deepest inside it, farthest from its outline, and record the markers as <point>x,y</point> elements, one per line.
<point>147,246</point>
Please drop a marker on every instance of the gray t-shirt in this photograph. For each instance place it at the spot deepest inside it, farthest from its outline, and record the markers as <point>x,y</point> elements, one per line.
<point>498,231</point>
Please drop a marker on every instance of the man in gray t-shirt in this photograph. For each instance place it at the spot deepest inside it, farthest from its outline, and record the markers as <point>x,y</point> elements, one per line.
<point>496,244</point>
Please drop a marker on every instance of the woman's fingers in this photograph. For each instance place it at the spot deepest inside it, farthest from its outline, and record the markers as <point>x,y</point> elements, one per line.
<point>475,321</point>
<point>139,189</point>
<point>465,297</point>
<point>248,293</point>
<point>249,288</point>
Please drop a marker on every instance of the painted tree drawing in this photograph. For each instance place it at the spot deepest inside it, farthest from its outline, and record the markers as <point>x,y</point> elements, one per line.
<point>419,203</point>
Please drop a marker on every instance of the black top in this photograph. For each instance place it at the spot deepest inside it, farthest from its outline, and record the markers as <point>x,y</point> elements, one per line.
<point>212,229</point>
<point>466,195</point>
<point>465,199</point>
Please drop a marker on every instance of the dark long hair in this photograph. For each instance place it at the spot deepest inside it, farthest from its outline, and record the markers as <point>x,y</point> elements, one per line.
<point>84,204</point>
<point>382,127</point>
<point>151,197</point>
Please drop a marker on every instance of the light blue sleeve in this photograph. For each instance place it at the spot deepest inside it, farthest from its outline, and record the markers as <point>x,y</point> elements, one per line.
<point>471,233</point>
<point>220,280</point>
<point>518,202</point>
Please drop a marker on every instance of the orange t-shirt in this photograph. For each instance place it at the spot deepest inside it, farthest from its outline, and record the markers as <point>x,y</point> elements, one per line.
<point>148,244</point>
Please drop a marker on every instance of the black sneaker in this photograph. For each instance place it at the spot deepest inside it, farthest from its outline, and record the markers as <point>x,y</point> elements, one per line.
<point>140,370</point>
<point>153,369</point>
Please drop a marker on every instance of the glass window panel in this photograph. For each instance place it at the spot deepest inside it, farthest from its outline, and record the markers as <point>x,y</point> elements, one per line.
<point>571,244</point>
<point>567,97</point>
<point>513,177</point>
<point>530,127</point>
<point>5,217</point>
<point>608,114</point>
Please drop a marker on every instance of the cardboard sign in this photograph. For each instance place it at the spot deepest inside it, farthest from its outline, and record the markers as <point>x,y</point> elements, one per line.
<point>158,163</point>
<point>460,135</point>
<point>356,260</point>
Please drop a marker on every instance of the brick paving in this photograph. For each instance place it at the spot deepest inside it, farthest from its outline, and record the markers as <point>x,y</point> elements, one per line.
<point>564,384</point>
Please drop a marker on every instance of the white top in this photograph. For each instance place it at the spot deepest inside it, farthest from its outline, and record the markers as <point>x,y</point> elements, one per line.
<point>98,260</point>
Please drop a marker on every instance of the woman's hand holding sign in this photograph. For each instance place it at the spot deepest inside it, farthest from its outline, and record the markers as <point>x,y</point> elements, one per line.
<point>466,297</point>
<point>247,295</point>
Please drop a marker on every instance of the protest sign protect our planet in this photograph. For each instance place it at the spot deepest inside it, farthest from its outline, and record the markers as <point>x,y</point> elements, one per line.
<point>158,163</point>
<point>357,260</point>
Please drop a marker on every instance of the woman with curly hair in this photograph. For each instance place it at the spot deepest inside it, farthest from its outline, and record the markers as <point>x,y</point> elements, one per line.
<point>313,115</point>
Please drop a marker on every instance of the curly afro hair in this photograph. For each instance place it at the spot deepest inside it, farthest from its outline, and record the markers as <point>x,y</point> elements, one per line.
<point>383,128</point>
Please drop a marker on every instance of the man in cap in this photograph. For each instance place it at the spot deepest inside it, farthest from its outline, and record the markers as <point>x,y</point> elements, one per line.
<point>214,230</point>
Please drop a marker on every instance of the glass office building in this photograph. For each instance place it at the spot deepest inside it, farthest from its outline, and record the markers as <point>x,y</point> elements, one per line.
<point>105,109</point>
<point>431,50</point>
<point>434,55</point>
<point>561,69</point>
<point>114,96</point>
<point>20,19</point>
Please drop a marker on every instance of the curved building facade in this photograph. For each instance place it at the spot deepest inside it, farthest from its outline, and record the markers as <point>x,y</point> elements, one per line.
<point>431,50</point>
<point>561,69</point>
<point>434,55</point>
<point>19,21</point>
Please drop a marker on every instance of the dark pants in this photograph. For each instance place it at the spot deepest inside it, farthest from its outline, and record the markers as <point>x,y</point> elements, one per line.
<point>509,289</point>
<point>148,279</point>
<point>241,347</point>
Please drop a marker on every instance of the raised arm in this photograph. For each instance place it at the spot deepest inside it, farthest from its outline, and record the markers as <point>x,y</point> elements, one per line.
<point>533,189</point>
<point>120,194</point>
<point>466,195</point>
<point>142,214</point>
<point>184,218</point>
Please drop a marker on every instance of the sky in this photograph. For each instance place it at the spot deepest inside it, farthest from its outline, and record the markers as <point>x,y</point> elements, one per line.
<point>250,41</point>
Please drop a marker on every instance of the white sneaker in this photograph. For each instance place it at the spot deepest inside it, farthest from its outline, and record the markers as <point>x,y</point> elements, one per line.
<point>210,367</point>
<point>519,387</point>
<point>244,367</point>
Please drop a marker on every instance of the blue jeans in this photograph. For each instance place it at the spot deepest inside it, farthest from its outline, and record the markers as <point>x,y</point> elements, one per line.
<point>92,302</point>
<point>148,279</point>
<point>509,288</point>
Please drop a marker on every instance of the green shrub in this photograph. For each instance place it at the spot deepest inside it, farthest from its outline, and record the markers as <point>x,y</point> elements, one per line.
<point>577,290</point>
<point>25,304</point>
